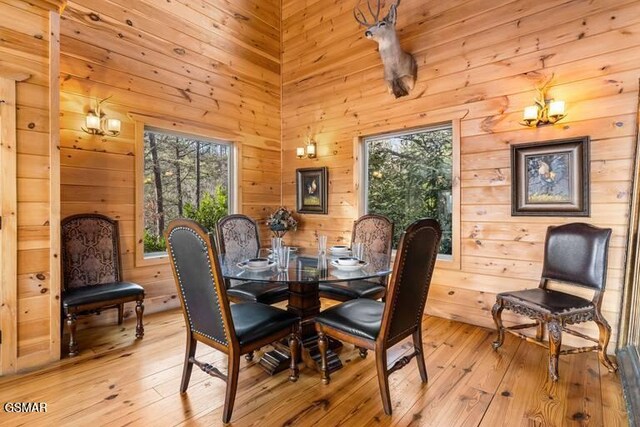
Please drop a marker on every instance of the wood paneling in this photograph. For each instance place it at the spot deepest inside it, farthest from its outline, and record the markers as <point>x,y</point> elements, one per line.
<point>214,67</point>
<point>481,60</point>
<point>29,40</point>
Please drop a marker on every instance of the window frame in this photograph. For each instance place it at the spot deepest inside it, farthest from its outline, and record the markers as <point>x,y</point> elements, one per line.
<point>361,177</point>
<point>145,123</point>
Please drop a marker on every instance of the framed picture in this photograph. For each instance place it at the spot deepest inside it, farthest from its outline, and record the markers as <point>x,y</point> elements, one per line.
<point>550,178</point>
<point>312,190</point>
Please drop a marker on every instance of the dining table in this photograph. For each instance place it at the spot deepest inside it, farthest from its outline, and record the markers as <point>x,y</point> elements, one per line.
<point>306,270</point>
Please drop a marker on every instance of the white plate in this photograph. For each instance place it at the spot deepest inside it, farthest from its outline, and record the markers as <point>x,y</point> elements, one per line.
<point>246,266</point>
<point>293,249</point>
<point>349,267</point>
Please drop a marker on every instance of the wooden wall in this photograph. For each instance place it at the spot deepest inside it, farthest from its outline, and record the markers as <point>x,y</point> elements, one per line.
<point>28,44</point>
<point>213,63</point>
<point>479,60</point>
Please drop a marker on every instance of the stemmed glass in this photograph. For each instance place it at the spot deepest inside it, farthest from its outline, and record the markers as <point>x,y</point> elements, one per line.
<point>358,250</point>
<point>322,244</point>
<point>283,258</point>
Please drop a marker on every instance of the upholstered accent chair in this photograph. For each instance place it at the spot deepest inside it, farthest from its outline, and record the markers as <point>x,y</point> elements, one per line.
<point>375,325</point>
<point>92,272</point>
<point>237,237</point>
<point>233,329</point>
<point>376,232</point>
<point>574,254</point>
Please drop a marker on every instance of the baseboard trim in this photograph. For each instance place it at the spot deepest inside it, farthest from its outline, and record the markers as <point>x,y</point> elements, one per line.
<point>629,363</point>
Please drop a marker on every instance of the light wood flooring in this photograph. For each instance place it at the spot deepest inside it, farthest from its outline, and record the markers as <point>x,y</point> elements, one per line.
<point>117,381</point>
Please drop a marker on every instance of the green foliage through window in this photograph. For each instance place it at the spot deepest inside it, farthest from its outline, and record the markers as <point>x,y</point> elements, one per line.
<point>409,176</point>
<point>183,177</point>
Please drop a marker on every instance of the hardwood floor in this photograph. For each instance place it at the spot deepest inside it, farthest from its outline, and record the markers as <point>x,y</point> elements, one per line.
<point>117,381</point>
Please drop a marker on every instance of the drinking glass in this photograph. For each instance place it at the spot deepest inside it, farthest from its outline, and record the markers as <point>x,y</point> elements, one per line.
<point>283,258</point>
<point>322,244</point>
<point>358,250</point>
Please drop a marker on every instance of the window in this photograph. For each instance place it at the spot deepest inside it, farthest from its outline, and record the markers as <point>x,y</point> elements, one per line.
<point>183,176</point>
<point>408,176</point>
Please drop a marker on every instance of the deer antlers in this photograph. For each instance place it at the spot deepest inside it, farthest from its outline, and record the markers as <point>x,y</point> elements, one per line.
<point>359,15</point>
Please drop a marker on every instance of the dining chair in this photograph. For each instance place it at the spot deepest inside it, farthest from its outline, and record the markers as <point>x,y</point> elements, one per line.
<point>233,329</point>
<point>375,325</point>
<point>574,254</point>
<point>92,272</point>
<point>376,233</point>
<point>238,237</point>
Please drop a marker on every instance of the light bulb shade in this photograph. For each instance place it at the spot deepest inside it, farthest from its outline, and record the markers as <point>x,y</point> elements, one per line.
<point>300,152</point>
<point>556,108</point>
<point>530,113</point>
<point>92,122</point>
<point>113,125</point>
<point>311,149</point>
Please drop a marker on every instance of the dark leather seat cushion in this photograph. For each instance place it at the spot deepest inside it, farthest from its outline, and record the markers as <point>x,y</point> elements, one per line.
<point>99,293</point>
<point>354,289</point>
<point>259,292</point>
<point>554,302</point>
<point>359,317</point>
<point>253,321</point>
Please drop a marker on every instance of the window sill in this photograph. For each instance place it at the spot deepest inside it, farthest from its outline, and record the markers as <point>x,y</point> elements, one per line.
<point>153,259</point>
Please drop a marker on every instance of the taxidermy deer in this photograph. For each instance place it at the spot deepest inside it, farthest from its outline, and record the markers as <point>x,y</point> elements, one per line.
<point>400,68</point>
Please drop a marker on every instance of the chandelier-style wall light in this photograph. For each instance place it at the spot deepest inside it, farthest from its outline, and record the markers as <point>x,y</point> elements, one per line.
<point>309,151</point>
<point>545,111</point>
<point>97,123</point>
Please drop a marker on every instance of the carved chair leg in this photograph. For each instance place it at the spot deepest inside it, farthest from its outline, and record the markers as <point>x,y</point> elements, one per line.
<point>417,347</point>
<point>383,379</point>
<point>555,342</point>
<point>249,356</point>
<point>139,325</point>
<point>496,311</point>
<point>322,346</point>
<point>294,348</point>
<point>362,352</point>
<point>540,330</point>
<point>605,334</point>
<point>73,345</point>
<point>188,364</point>
<point>120,313</point>
<point>232,387</point>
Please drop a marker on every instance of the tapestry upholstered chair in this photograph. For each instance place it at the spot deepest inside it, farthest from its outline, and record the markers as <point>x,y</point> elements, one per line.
<point>234,329</point>
<point>375,325</point>
<point>92,272</point>
<point>574,254</point>
<point>376,232</point>
<point>237,237</point>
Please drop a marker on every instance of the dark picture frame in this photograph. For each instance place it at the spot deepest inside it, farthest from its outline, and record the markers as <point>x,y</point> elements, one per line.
<point>551,178</point>
<point>312,186</point>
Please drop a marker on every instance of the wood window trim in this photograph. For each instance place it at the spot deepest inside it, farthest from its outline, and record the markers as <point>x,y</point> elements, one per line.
<point>455,262</point>
<point>203,130</point>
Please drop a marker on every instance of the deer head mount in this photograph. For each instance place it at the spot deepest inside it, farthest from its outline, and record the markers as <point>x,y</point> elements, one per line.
<point>400,68</point>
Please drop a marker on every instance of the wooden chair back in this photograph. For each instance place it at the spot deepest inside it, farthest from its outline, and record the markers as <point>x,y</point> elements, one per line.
<point>90,251</point>
<point>199,283</point>
<point>410,280</point>
<point>375,231</point>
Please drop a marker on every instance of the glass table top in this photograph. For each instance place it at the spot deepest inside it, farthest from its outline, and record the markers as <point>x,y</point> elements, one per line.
<point>304,266</point>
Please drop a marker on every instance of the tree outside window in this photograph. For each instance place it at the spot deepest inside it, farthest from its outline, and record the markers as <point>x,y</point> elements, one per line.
<point>184,177</point>
<point>409,176</point>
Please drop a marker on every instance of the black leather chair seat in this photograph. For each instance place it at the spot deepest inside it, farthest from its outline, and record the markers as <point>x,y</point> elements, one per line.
<point>267,293</point>
<point>354,289</point>
<point>360,317</point>
<point>554,302</point>
<point>253,321</point>
<point>99,293</point>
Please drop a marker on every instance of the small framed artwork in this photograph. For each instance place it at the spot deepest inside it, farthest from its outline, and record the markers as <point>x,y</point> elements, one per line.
<point>312,190</point>
<point>550,178</point>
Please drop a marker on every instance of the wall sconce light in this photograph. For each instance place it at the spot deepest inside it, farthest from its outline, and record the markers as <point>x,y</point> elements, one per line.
<point>545,111</point>
<point>97,123</point>
<point>309,151</point>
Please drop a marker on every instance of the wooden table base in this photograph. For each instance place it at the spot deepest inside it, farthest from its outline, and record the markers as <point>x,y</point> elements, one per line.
<point>304,301</point>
